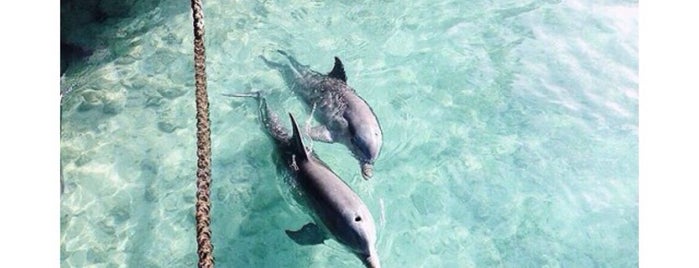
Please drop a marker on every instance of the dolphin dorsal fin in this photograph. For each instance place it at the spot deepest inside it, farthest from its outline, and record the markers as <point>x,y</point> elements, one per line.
<point>297,141</point>
<point>338,71</point>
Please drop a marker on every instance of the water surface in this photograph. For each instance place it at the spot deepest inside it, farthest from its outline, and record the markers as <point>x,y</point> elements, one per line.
<point>510,133</point>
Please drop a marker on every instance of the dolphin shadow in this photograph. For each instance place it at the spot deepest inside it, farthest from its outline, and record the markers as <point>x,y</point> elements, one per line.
<point>141,239</point>
<point>251,212</point>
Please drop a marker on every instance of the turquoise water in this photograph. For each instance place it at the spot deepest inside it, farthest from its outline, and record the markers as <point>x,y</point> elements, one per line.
<point>510,134</point>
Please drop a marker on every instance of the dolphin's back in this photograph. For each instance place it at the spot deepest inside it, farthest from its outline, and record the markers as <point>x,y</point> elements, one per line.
<point>325,188</point>
<point>325,91</point>
<point>335,203</point>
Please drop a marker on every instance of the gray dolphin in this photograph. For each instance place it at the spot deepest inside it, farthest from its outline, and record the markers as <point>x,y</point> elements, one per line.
<point>344,116</point>
<point>338,211</point>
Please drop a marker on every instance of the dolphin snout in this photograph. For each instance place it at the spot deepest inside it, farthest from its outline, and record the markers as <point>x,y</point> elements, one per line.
<point>367,170</point>
<point>372,261</point>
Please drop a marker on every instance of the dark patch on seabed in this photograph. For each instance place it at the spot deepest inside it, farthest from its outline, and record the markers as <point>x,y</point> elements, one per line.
<point>82,22</point>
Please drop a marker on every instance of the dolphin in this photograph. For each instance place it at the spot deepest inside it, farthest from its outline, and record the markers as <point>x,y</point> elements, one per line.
<point>338,212</point>
<point>343,115</point>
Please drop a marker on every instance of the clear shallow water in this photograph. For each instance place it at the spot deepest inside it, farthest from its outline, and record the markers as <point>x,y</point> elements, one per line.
<point>510,134</point>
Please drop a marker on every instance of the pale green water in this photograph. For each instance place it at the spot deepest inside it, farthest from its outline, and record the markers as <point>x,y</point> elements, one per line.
<point>510,134</point>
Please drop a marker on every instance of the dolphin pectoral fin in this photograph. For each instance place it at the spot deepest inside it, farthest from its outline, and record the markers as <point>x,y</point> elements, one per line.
<point>320,133</point>
<point>309,234</point>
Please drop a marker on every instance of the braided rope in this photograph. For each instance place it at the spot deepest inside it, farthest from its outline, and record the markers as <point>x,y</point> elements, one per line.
<point>205,249</point>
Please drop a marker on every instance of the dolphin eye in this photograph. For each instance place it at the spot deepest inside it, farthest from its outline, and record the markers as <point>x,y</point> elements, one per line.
<point>357,218</point>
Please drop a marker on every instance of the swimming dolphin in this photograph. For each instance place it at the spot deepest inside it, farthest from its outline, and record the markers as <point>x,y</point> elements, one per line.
<point>337,210</point>
<point>344,116</point>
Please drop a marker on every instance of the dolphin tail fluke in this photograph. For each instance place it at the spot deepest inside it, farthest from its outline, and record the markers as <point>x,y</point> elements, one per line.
<point>309,234</point>
<point>270,120</point>
<point>297,140</point>
<point>257,95</point>
<point>252,94</point>
<point>283,53</point>
<point>278,65</point>
<point>271,64</point>
<point>297,66</point>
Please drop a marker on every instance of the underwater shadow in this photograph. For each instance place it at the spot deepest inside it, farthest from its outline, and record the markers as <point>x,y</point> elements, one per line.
<point>141,240</point>
<point>86,27</point>
<point>249,193</point>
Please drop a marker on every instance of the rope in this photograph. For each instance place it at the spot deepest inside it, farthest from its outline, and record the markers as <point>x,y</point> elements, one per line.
<point>205,249</point>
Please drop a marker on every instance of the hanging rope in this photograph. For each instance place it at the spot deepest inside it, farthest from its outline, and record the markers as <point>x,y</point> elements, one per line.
<point>204,248</point>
